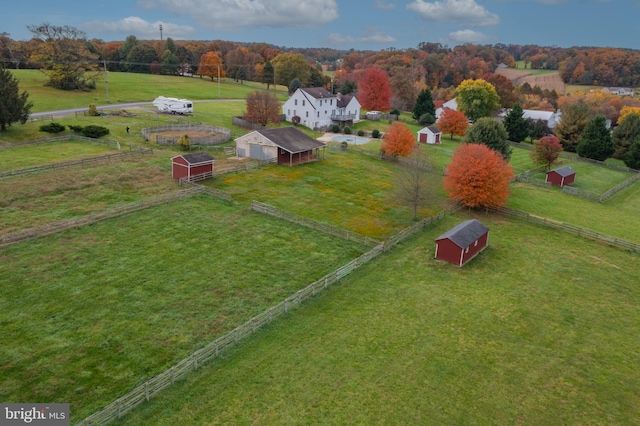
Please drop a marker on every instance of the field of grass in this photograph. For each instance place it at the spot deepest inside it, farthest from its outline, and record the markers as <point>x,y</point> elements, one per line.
<point>519,335</point>
<point>24,156</point>
<point>90,313</point>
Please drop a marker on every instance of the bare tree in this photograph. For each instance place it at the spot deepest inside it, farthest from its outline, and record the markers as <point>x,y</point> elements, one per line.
<point>412,181</point>
<point>263,107</point>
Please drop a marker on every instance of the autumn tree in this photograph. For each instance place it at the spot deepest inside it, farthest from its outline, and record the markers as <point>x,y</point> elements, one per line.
<point>263,108</point>
<point>546,151</point>
<point>516,125</point>
<point>404,88</point>
<point>14,106</point>
<point>211,66</point>
<point>374,93</point>
<point>490,132</point>
<point>595,140</point>
<point>572,122</point>
<point>625,134</point>
<point>424,105</point>
<point>478,177</point>
<point>477,98</point>
<point>398,140</point>
<point>504,88</point>
<point>288,66</point>
<point>412,181</point>
<point>453,122</point>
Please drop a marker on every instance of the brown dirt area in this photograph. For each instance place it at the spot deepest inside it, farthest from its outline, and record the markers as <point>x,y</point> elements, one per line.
<point>551,81</point>
<point>191,133</point>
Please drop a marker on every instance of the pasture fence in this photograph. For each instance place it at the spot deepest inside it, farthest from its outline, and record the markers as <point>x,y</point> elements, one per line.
<point>63,138</point>
<point>216,135</point>
<point>566,227</point>
<point>148,389</point>
<point>82,162</point>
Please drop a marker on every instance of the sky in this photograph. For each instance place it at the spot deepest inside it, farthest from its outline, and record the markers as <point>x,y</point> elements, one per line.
<point>341,24</point>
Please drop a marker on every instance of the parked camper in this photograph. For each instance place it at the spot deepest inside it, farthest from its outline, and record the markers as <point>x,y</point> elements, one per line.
<point>173,105</point>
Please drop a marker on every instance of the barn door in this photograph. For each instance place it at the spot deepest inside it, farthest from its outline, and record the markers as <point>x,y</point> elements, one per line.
<point>257,152</point>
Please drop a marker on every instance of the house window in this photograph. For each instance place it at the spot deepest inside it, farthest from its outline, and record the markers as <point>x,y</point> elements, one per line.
<point>295,102</point>
<point>307,113</point>
<point>303,102</point>
<point>318,114</point>
<point>282,152</point>
<point>289,112</point>
<point>330,101</point>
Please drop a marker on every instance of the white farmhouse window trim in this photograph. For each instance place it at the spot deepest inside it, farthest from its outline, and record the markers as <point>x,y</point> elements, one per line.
<point>475,244</point>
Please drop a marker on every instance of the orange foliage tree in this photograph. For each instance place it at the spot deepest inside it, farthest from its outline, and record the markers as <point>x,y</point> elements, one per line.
<point>374,92</point>
<point>478,177</point>
<point>546,150</point>
<point>398,140</point>
<point>210,66</point>
<point>453,122</point>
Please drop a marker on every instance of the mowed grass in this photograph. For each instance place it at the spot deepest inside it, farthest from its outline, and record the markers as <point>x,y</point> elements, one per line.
<point>20,157</point>
<point>90,313</point>
<point>520,335</point>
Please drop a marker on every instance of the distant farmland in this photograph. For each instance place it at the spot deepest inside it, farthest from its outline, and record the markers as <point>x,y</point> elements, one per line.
<point>551,81</point>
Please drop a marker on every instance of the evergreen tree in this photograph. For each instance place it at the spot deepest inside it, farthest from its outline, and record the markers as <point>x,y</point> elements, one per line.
<point>241,75</point>
<point>424,105</point>
<point>516,126</point>
<point>573,121</point>
<point>14,106</point>
<point>489,132</point>
<point>596,142</point>
<point>267,74</point>
<point>294,85</point>
<point>537,129</point>
<point>625,133</point>
<point>632,159</point>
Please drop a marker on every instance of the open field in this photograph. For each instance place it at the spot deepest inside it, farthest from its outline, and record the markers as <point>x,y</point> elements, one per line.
<point>92,312</point>
<point>545,79</point>
<point>24,156</point>
<point>518,336</point>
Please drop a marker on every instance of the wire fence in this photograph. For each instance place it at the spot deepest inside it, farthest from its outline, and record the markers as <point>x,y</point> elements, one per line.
<point>82,162</point>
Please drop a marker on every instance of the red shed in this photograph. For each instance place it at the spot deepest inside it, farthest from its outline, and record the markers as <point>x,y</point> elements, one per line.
<point>462,243</point>
<point>561,177</point>
<point>190,165</point>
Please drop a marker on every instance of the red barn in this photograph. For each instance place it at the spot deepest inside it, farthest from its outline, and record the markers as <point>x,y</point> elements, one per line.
<point>561,177</point>
<point>190,165</point>
<point>462,243</point>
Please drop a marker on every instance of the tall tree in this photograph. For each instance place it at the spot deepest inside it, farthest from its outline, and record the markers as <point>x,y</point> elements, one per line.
<point>516,126</point>
<point>424,105</point>
<point>477,98</point>
<point>453,122</point>
<point>374,92</point>
<point>294,85</point>
<point>546,151</point>
<point>170,62</point>
<point>241,75</point>
<point>267,74</point>
<point>262,107</point>
<point>504,88</point>
<point>404,88</point>
<point>140,58</point>
<point>595,141</point>
<point>65,56</point>
<point>478,177</point>
<point>288,66</point>
<point>412,181</point>
<point>398,140</point>
<point>625,133</point>
<point>211,66</point>
<point>14,106</point>
<point>632,159</point>
<point>490,132</point>
<point>537,129</point>
<point>572,122</point>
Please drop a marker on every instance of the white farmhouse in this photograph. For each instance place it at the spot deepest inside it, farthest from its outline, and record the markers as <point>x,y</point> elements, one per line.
<point>317,108</point>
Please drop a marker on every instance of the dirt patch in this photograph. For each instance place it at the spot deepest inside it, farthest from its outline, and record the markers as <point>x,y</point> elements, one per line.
<point>551,81</point>
<point>191,133</point>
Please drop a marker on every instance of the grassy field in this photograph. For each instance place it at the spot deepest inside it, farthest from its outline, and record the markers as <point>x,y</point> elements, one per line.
<point>91,313</point>
<point>24,156</point>
<point>518,336</point>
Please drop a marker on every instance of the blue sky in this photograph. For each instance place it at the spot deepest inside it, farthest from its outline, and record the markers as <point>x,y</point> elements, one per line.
<point>342,24</point>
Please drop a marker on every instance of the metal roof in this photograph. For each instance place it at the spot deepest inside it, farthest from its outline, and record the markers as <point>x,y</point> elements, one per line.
<point>465,233</point>
<point>564,171</point>
<point>291,139</point>
<point>197,157</point>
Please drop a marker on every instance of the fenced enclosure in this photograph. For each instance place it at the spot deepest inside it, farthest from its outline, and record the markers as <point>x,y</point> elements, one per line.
<point>214,134</point>
<point>65,138</point>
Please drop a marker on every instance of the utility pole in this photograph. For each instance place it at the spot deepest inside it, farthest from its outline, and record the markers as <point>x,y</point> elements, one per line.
<point>106,79</point>
<point>160,32</point>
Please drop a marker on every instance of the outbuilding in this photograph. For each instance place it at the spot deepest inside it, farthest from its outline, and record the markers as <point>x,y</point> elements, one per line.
<point>430,134</point>
<point>194,166</point>
<point>561,177</point>
<point>463,242</point>
<point>283,145</point>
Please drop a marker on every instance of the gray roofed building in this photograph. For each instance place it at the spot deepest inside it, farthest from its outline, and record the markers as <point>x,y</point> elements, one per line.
<point>291,139</point>
<point>465,233</point>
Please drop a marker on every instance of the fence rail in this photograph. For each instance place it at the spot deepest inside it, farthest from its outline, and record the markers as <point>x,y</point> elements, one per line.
<point>72,138</point>
<point>82,162</point>
<point>218,134</point>
<point>144,392</point>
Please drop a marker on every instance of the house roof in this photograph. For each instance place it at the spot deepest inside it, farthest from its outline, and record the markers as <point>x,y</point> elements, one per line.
<point>563,171</point>
<point>291,139</point>
<point>465,233</point>
<point>197,157</point>
<point>317,92</point>
<point>343,100</point>
<point>433,129</point>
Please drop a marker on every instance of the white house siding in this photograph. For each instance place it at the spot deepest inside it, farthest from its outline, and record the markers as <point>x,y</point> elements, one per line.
<point>316,112</point>
<point>254,145</point>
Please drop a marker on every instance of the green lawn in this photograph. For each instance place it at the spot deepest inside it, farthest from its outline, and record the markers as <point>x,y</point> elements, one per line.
<point>30,156</point>
<point>520,335</point>
<point>90,313</point>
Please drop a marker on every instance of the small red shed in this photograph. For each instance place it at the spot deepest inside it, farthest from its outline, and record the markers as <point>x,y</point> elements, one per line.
<point>190,165</point>
<point>429,134</point>
<point>463,242</point>
<point>561,177</point>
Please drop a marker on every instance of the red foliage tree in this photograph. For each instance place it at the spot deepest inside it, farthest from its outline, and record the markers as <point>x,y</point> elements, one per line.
<point>398,140</point>
<point>262,107</point>
<point>374,92</point>
<point>478,177</point>
<point>453,122</point>
<point>546,150</point>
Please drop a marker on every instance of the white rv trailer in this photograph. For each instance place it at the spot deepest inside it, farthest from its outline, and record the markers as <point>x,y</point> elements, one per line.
<point>173,105</point>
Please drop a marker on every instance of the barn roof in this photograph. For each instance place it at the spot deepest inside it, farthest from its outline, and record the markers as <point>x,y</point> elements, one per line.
<point>465,233</point>
<point>563,171</point>
<point>433,129</point>
<point>291,139</point>
<point>197,157</point>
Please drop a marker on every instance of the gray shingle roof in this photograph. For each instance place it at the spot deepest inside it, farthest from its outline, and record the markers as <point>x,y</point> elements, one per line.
<point>197,157</point>
<point>465,233</point>
<point>291,139</point>
<point>318,92</point>
<point>564,171</point>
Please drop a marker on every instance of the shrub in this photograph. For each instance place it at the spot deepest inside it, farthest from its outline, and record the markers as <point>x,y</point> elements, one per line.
<point>360,132</point>
<point>93,131</point>
<point>335,128</point>
<point>343,145</point>
<point>52,128</point>
<point>375,134</point>
<point>75,128</point>
<point>347,130</point>
<point>295,120</point>
<point>426,119</point>
<point>93,111</point>
<point>395,112</point>
<point>184,142</point>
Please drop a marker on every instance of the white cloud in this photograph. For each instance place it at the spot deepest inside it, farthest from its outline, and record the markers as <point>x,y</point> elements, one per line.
<point>469,36</point>
<point>382,4</point>
<point>371,36</point>
<point>140,28</point>
<point>465,12</point>
<point>238,14</point>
